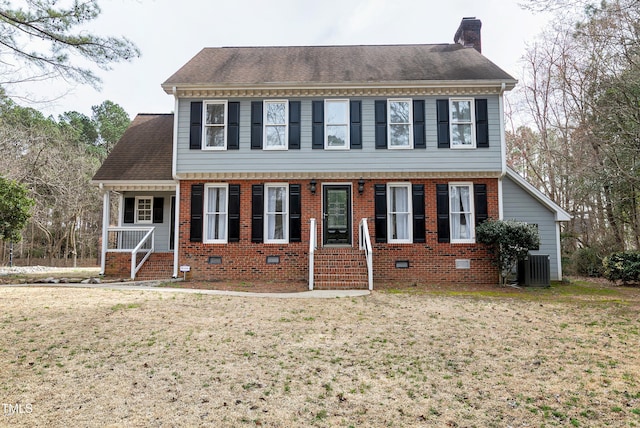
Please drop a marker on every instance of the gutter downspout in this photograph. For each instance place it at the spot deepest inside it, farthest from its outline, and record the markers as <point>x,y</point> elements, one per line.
<point>503,151</point>
<point>174,166</point>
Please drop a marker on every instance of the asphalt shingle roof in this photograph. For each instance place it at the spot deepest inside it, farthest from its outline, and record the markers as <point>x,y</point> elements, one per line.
<point>143,153</point>
<point>299,65</point>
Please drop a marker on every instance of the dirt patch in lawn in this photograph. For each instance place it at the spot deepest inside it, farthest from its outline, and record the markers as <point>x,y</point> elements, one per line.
<point>553,357</point>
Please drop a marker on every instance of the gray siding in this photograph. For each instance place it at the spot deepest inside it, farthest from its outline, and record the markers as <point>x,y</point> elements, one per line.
<point>368,159</point>
<point>520,205</point>
<point>163,230</point>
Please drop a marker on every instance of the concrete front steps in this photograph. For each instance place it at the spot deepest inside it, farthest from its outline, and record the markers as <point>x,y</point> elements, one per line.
<point>340,268</point>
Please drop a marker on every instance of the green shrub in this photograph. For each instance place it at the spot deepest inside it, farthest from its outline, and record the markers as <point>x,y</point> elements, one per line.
<point>508,241</point>
<point>586,262</point>
<point>622,266</point>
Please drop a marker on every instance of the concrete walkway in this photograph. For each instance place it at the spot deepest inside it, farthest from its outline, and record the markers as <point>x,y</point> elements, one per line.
<point>150,286</point>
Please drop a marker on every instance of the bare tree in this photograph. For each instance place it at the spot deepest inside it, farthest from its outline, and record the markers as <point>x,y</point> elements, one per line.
<point>578,100</point>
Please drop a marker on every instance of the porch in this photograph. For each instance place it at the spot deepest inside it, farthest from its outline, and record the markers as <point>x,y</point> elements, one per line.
<point>139,232</point>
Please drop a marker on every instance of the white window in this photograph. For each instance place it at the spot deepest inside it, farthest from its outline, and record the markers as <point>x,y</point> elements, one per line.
<point>276,115</point>
<point>216,202</point>
<point>400,122</point>
<point>462,123</point>
<point>215,125</point>
<point>144,209</point>
<point>461,212</point>
<point>336,125</point>
<point>399,213</point>
<point>276,213</point>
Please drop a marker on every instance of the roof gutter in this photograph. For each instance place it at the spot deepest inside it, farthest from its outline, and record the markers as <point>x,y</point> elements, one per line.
<point>503,84</point>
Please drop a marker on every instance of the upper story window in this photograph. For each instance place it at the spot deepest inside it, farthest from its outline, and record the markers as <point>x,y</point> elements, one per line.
<point>400,124</point>
<point>276,124</point>
<point>276,213</point>
<point>215,125</point>
<point>399,213</point>
<point>216,213</point>
<point>461,212</point>
<point>336,124</point>
<point>462,123</point>
<point>144,209</point>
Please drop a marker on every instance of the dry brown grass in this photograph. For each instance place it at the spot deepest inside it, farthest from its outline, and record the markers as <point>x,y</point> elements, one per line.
<point>568,356</point>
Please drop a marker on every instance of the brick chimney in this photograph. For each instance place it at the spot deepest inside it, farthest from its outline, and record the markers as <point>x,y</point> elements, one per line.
<point>468,34</point>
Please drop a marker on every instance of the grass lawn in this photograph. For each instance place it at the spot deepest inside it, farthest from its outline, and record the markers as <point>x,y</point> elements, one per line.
<point>564,356</point>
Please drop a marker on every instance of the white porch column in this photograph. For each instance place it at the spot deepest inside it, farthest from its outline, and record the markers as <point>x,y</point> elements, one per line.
<point>176,234</point>
<point>105,228</point>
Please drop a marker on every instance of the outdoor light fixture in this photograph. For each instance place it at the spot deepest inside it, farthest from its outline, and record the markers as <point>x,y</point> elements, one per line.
<point>360,186</point>
<point>312,186</point>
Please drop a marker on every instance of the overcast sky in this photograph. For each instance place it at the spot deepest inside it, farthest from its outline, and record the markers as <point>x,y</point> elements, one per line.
<point>170,32</point>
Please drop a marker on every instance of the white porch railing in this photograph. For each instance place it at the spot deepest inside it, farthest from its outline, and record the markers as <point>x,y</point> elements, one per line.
<point>313,244</point>
<point>132,240</point>
<point>365,244</point>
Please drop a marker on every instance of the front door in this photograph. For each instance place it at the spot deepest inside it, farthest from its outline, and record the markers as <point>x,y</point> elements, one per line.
<point>336,225</point>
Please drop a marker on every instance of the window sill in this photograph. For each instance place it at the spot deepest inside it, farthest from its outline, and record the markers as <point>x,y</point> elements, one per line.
<point>400,147</point>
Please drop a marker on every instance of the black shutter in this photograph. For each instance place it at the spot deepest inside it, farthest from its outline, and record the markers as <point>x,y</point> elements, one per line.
<point>442,117</point>
<point>197,207</point>
<point>233,126</point>
<point>418,213</point>
<point>256,125</point>
<point>129,210</point>
<point>158,208</point>
<point>195,132</point>
<point>442,208</point>
<point>355,111</point>
<point>482,124</point>
<point>257,213</point>
<point>234,213</point>
<point>317,126</point>
<point>480,202</point>
<point>381,124</point>
<point>380,191</point>
<point>295,213</point>
<point>419,136</point>
<point>294,125</point>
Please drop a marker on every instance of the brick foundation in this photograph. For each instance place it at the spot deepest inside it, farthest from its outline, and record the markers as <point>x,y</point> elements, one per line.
<point>157,266</point>
<point>118,265</point>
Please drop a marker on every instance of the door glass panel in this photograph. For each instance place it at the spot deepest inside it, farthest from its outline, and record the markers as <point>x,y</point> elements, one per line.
<point>337,208</point>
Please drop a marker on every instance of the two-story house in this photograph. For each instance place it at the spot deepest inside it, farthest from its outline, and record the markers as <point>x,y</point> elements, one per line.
<point>340,166</point>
